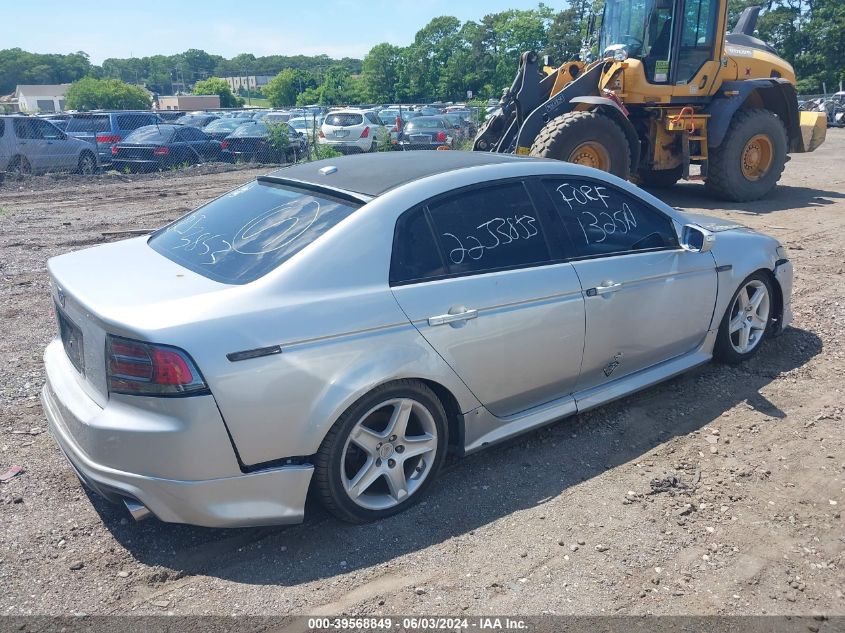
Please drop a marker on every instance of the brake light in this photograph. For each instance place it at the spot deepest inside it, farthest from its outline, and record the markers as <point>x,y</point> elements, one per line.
<point>394,129</point>
<point>109,138</point>
<point>322,135</point>
<point>441,136</point>
<point>224,144</point>
<point>161,151</point>
<point>366,132</point>
<point>146,369</point>
<point>114,150</point>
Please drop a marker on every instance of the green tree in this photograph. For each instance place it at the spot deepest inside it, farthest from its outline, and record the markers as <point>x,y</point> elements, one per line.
<point>218,86</point>
<point>380,72</point>
<point>108,94</point>
<point>283,89</point>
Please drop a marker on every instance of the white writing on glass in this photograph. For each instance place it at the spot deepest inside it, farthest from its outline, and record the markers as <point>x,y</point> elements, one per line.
<point>265,233</point>
<point>596,224</point>
<point>502,231</point>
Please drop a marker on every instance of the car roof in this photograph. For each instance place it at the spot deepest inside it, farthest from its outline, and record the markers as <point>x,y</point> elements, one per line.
<point>374,174</point>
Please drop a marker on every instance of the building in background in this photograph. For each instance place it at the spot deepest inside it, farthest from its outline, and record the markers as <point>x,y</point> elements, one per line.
<point>44,98</point>
<point>189,102</point>
<point>248,82</point>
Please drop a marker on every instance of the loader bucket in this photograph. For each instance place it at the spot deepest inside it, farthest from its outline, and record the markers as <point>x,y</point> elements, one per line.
<point>813,129</point>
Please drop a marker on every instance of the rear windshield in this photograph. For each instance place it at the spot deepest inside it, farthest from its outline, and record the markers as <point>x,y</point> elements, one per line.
<point>150,134</point>
<point>344,119</point>
<point>223,125</point>
<point>426,123</point>
<point>89,124</point>
<point>256,128</point>
<point>250,231</point>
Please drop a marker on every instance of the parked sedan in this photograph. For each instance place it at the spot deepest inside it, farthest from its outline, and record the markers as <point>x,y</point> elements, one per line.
<point>427,132</point>
<point>251,142</point>
<point>104,129</point>
<point>164,146</point>
<point>340,325</point>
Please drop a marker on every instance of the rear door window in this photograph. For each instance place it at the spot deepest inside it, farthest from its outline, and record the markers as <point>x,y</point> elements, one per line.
<point>2,127</point>
<point>250,231</point>
<point>487,229</point>
<point>27,128</point>
<point>415,253</point>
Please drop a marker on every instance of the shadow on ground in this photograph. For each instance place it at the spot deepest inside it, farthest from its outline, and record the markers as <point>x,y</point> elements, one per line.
<point>690,195</point>
<point>473,492</point>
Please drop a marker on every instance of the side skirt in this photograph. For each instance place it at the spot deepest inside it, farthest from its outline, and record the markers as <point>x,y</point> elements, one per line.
<point>483,429</point>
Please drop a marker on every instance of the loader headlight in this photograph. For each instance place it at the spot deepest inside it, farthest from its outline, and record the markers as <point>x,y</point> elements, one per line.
<point>618,52</point>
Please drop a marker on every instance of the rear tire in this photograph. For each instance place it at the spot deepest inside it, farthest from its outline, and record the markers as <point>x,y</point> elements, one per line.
<point>18,167</point>
<point>750,160</point>
<point>585,138</point>
<point>87,164</point>
<point>367,475</point>
<point>658,179</point>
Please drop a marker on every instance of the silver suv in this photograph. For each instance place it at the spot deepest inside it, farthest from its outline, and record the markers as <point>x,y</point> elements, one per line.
<point>32,145</point>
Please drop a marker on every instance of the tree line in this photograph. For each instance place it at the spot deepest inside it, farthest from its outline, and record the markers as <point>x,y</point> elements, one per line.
<point>446,59</point>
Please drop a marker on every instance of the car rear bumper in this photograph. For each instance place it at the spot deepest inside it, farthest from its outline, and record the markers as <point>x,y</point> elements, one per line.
<point>362,144</point>
<point>267,497</point>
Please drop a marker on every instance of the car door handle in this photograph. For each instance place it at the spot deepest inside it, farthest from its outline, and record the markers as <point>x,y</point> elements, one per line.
<point>443,319</point>
<point>606,288</point>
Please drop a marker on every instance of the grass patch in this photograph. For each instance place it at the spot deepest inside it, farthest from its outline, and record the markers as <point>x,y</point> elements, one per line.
<point>261,103</point>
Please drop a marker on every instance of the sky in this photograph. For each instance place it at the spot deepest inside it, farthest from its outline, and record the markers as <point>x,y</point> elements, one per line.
<point>127,28</point>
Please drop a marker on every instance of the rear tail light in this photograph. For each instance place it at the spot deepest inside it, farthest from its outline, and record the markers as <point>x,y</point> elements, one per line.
<point>109,138</point>
<point>161,151</point>
<point>114,150</point>
<point>224,145</point>
<point>366,132</point>
<point>394,129</point>
<point>441,136</point>
<point>146,369</point>
<point>322,135</point>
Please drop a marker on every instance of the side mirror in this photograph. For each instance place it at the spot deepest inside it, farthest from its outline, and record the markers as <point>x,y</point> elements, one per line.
<point>696,239</point>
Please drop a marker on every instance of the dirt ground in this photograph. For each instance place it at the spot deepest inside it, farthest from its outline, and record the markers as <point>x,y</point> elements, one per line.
<point>561,521</point>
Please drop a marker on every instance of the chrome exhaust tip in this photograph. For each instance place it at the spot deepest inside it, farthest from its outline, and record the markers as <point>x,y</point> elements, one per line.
<point>138,510</point>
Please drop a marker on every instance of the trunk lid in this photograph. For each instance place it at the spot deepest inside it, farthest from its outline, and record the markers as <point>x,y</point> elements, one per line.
<point>122,288</point>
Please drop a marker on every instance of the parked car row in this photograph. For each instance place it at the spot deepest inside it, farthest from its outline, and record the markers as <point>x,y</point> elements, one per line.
<point>129,140</point>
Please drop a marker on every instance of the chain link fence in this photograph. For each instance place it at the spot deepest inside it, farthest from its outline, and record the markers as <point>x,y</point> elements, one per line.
<point>132,142</point>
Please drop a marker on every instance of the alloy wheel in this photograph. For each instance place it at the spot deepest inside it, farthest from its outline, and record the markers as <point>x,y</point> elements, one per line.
<point>389,453</point>
<point>749,316</point>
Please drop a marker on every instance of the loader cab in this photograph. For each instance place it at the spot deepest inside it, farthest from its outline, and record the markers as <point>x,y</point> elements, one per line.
<point>679,42</point>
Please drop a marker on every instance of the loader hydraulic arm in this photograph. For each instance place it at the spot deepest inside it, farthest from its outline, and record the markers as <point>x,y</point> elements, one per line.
<point>529,89</point>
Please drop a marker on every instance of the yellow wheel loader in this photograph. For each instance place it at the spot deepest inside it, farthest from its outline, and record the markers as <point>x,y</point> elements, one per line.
<point>670,90</point>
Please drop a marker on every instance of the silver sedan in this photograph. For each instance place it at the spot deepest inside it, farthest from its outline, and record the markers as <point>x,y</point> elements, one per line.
<point>342,325</point>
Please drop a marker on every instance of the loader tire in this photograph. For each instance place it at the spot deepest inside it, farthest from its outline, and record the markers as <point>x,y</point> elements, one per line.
<point>585,138</point>
<point>750,160</point>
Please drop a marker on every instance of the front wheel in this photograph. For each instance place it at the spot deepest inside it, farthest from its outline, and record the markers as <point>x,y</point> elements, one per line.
<point>748,163</point>
<point>747,320</point>
<point>585,138</point>
<point>383,453</point>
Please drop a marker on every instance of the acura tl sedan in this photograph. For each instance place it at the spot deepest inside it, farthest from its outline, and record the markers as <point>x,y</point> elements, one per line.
<point>340,325</point>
